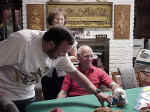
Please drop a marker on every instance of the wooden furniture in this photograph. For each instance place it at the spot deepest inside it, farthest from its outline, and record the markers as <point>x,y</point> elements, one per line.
<point>143,78</point>
<point>35,16</point>
<point>117,78</point>
<point>128,76</point>
<point>142,16</point>
<point>10,17</point>
<point>125,77</point>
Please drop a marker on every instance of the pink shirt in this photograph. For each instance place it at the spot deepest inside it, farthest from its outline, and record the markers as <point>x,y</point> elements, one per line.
<point>94,74</point>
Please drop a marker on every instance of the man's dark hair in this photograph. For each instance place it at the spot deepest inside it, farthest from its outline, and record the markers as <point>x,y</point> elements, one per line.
<point>58,34</point>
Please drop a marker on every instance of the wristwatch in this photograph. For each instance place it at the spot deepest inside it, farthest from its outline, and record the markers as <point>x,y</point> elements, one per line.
<point>98,91</point>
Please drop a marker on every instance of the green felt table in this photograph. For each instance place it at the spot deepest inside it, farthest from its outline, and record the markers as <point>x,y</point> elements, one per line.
<point>85,103</point>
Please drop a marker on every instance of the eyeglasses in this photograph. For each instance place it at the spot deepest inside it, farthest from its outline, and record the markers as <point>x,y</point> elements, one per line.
<point>88,56</point>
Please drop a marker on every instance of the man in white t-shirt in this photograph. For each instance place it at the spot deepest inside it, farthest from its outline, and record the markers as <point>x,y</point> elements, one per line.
<point>26,56</point>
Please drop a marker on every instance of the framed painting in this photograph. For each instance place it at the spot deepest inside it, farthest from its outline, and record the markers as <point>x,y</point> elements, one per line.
<point>35,16</point>
<point>85,15</point>
<point>121,21</point>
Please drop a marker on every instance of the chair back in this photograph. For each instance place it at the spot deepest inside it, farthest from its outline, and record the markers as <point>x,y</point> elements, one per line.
<point>128,76</point>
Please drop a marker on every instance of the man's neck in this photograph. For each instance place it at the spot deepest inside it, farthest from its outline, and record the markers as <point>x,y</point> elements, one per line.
<point>84,68</point>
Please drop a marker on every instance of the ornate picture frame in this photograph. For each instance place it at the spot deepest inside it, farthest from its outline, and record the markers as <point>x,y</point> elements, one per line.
<point>35,16</point>
<point>85,14</point>
<point>122,21</point>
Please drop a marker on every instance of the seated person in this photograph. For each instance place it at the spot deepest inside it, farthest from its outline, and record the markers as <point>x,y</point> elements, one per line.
<point>96,75</point>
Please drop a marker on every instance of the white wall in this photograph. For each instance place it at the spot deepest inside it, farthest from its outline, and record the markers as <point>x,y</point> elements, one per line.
<point>121,51</point>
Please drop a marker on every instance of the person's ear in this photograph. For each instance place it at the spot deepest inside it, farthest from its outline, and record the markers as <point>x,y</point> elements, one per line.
<point>48,45</point>
<point>51,45</point>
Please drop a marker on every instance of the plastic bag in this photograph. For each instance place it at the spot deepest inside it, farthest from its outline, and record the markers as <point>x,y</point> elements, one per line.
<point>144,98</point>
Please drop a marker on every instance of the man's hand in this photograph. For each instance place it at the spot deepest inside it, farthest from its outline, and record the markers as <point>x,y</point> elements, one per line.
<point>64,64</point>
<point>119,92</point>
<point>7,105</point>
<point>104,97</point>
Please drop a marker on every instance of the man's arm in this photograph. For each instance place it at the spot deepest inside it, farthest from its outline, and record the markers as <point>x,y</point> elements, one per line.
<point>62,94</point>
<point>66,85</point>
<point>114,85</point>
<point>6,105</point>
<point>83,81</point>
<point>107,80</point>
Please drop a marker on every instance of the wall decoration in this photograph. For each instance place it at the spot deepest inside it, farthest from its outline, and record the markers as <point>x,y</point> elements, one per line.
<point>85,14</point>
<point>121,21</point>
<point>35,16</point>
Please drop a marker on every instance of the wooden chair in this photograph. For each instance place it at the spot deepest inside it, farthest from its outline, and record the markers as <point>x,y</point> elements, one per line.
<point>128,77</point>
<point>125,77</point>
<point>117,78</point>
<point>143,78</point>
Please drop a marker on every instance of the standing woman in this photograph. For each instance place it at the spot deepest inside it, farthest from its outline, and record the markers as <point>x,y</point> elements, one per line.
<point>51,84</point>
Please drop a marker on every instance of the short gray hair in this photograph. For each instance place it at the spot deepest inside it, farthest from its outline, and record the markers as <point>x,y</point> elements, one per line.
<point>83,48</point>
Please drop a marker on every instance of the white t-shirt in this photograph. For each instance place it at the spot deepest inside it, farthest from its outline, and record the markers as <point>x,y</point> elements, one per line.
<point>22,64</point>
